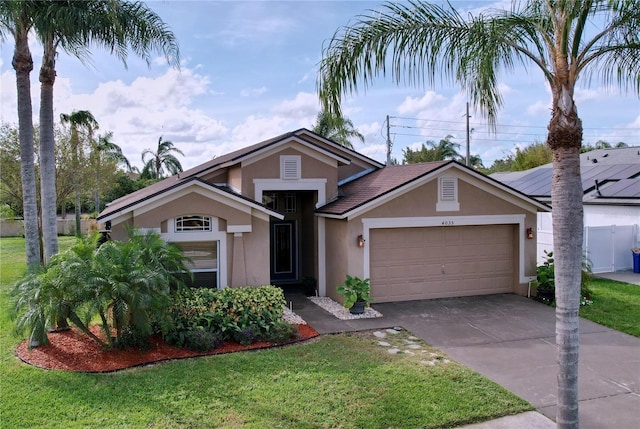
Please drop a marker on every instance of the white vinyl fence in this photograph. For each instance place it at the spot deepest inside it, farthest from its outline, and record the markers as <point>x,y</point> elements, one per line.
<point>608,248</point>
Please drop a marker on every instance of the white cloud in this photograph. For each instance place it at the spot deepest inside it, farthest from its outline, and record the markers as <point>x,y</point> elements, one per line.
<point>253,92</point>
<point>305,104</point>
<point>412,105</point>
<point>539,108</point>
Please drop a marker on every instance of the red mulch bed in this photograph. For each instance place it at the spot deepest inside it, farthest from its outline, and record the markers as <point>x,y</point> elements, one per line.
<point>74,351</point>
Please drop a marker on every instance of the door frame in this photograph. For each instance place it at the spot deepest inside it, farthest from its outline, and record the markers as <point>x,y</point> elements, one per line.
<point>292,274</point>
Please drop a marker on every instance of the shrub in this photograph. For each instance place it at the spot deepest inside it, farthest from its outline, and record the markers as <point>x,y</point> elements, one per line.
<point>201,340</point>
<point>280,332</point>
<point>131,339</point>
<point>127,284</point>
<point>232,311</point>
<point>247,335</point>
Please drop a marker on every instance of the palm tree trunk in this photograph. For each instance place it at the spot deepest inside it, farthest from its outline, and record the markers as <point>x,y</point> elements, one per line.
<point>23,65</point>
<point>565,137</point>
<point>47,155</point>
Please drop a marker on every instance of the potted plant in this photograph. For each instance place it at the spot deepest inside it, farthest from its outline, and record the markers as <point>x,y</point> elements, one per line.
<point>546,290</point>
<point>356,293</point>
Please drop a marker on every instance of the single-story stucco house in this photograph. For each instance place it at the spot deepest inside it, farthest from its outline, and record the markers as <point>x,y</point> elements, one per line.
<point>300,206</point>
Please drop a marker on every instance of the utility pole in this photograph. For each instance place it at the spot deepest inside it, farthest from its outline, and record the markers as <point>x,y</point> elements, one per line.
<point>388,142</point>
<point>468,160</point>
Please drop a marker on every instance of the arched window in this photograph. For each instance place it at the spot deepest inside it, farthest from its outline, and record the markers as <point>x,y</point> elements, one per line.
<point>193,223</point>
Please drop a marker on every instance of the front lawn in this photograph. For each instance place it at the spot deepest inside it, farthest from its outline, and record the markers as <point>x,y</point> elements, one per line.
<point>346,381</point>
<point>615,304</point>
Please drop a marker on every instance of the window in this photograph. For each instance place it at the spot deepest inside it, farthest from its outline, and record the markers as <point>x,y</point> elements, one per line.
<point>447,194</point>
<point>270,200</point>
<point>203,264</point>
<point>193,223</point>
<point>290,167</point>
<point>290,203</point>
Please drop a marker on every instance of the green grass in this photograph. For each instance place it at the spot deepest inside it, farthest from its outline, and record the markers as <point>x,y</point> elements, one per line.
<point>615,304</point>
<point>340,381</point>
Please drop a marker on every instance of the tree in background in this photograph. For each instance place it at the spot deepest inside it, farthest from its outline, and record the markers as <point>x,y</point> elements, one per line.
<point>420,42</point>
<point>432,151</point>
<point>531,156</point>
<point>162,158</point>
<point>82,125</point>
<point>18,18</point>
<point>336,128</point>
<point>10,183</point>
<point>105,156</point>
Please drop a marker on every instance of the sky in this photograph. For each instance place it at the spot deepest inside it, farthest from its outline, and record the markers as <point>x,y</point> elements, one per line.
<point>248,73</point>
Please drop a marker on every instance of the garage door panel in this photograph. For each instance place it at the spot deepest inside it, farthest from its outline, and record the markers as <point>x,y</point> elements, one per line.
<point>408,263</point>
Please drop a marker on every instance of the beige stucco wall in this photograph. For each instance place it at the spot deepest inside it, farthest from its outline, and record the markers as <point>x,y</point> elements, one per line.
<point>192,203</point>
<point>253,247</point>
<point>269,168</point>
<point>421,202</point>
<point>256,248</point>
<point>337,255</point>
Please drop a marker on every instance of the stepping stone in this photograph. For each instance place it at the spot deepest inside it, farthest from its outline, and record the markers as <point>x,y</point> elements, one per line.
<point>394,351</point>
<point>380,334</point>
<point>413,338</point>
<point>409,352</point>
<point>414,346</point>
<point>383,343</point>
<point>392,331</point>
<point>428,362</point>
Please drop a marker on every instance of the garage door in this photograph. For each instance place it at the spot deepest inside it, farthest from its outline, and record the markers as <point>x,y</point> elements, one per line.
<point>438,262</point>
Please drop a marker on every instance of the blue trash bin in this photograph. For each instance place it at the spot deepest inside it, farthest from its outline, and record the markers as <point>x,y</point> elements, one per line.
<point>636,261</point>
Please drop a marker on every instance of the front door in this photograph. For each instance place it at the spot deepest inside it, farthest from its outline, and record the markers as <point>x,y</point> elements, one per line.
<point>284,251</point>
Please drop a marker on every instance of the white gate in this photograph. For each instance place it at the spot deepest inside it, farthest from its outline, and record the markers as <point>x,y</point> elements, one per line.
<point>609,247</point>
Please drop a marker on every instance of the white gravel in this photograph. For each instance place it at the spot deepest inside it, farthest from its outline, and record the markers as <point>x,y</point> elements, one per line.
<point>292,318</point>
<point>340,312</point>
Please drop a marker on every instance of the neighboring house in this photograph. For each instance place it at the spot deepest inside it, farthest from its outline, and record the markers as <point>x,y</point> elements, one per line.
<point>611,185</point>
<point>300,206</point>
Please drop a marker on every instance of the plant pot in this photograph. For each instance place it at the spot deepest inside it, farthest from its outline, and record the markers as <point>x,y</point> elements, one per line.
<point>546,293</point>
<point>358,307</point>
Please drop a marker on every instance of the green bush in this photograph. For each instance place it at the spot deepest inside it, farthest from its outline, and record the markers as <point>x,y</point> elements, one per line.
<point>280,332</point>
<point>201,340</point>
<point>231,311</point>
<point>127,285</point>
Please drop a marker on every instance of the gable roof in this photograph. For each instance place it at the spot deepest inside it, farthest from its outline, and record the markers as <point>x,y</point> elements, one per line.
<point>229,159</point>
<point>379,184</point>
<point>128,203</point>
<point>600,171</point>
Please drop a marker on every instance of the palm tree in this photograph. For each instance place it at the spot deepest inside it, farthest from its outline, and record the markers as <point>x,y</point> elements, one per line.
<point>78,120</point>
<point>105,150</point>
<point>116,25</point>
<point>432,151</point>
<point>336,128</point>
<point>160,159</point>
<point>18,18</point>
<point>565,40</point>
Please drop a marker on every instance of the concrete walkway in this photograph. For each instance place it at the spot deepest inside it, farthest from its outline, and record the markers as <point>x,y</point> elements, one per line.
<point>511,340</point>
<point>622,276</point>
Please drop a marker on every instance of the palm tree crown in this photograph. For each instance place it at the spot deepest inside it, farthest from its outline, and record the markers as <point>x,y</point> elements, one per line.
<point>337,128</point>
<point>421,43</point>
<point>160,159</point>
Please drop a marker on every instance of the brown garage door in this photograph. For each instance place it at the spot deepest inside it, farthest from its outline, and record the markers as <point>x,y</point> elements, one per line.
<point>438,262</point>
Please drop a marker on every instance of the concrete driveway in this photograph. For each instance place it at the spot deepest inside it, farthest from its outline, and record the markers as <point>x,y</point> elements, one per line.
<point>511,340</point>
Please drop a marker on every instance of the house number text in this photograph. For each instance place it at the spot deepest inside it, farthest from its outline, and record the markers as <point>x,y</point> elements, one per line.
<point>447,222</point>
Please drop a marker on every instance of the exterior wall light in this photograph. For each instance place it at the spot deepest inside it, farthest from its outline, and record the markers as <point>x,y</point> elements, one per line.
<point>360,241</point>
<point>529,233</point>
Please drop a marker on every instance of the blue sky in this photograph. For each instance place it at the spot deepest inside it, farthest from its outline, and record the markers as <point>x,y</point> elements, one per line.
<point>249,73</point>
